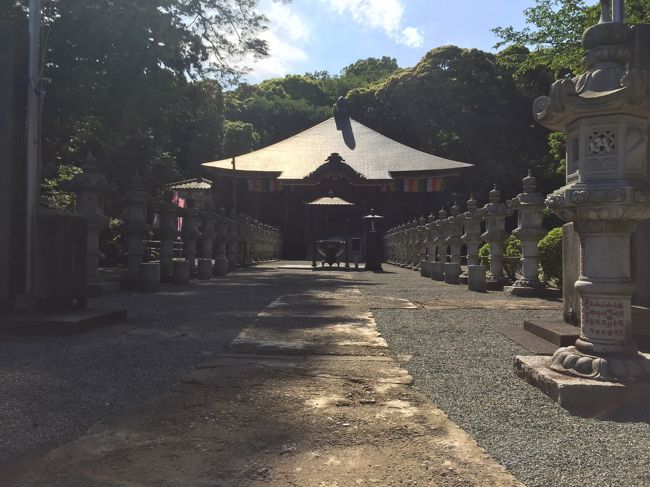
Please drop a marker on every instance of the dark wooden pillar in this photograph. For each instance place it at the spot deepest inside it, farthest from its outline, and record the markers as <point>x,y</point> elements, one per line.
<point>13,102</point>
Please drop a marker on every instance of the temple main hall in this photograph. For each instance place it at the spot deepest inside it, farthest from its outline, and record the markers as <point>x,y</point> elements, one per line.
<point>318,184</point>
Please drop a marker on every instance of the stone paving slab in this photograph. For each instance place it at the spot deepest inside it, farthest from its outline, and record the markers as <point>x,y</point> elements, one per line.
<point>319,322</point>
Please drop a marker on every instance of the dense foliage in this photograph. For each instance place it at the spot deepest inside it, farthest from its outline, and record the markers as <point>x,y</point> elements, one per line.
<point>136,82</point>
<point>550,256</point>
<point>281,107</point>
<point>511,254</point>
<point>464,105</point>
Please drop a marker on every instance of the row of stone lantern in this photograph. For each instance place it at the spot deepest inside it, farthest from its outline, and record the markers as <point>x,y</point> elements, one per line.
<point>223,242</point>
<point>433,245</point>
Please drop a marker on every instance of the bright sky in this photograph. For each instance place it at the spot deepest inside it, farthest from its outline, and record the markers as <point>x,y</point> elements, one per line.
<point>314,35</point>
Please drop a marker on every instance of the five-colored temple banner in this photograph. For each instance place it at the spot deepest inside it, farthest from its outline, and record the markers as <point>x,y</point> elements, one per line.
<point>417,185</point>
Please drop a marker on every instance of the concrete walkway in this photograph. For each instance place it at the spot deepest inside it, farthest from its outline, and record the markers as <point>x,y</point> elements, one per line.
<point>306,395</point>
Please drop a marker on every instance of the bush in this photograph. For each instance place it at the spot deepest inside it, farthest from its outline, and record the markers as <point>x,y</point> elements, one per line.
<point>512,256</point>
<point>550,256</point>
<point>484,255</point>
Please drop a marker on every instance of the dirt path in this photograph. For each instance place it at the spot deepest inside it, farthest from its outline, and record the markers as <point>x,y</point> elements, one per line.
<point>307,397</point>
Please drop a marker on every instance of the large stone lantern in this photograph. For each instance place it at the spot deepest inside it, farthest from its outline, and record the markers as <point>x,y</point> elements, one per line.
<point>529,206</point>
<point>472,237</point>
<point>90,188</point>
<point>135,226</point>
<point>604,113</point>
<point>168,235</point>
<point>220,260</point>
<point>495,214</point>
<point>453,240</point>
<point>438,265</point>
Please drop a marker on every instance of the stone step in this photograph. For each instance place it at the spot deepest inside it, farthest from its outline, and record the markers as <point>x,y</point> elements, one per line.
<point>60,324</point>
<point>555,332</point>
<point>531,342</point>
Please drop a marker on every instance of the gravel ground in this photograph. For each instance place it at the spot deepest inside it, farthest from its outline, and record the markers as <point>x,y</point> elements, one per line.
<point>464,365</point>
<point>52,388</point>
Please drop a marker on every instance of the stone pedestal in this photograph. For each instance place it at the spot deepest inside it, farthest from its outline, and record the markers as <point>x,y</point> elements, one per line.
<point>476,275</point>
<point>452,273</point>
<point>205,269</point>
<point>220,261</point>
<point>59,264</point>
<point>181,272</point>
<point>582,396</point>
<point>149,277</point>
<point>425,268</point>
<point>438,271</point>
<point>570,273</point>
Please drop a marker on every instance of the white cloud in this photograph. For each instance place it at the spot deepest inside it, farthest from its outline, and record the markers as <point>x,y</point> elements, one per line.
<point>412,37</point>
<point>287,31</point>
<point>379,14</point>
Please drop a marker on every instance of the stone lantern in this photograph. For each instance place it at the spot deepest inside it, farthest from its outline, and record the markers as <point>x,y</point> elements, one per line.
<point>472,236</point>
<point>454,233</point>
<point>232,241</point>
<point>168,236</point>
<point>413,250</point>
<point>190,232</point>
<point>208,219</point>
<point>135,225</point>
<point>438,265</point>
<point>220,259</point>
<point>529,206</point>
<point>495,214</point>
<point>604,113</point>
<point>421,243</point>
<point>429,246</point>
<point>402,244</point>
<point>90,188</point>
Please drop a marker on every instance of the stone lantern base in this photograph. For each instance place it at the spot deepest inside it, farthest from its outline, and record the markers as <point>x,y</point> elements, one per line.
<point>580,395</point>
<point>527,289</point>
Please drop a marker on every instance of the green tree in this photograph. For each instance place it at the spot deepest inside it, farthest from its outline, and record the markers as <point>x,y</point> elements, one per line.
<point>239,138</point>
<point>282,107</point>
<point>139,82</point>
<point>554,29</point>
<point>370,70</point>
<point>464,105</point>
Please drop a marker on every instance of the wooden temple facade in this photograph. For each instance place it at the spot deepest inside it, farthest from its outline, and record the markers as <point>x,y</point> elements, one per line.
<point>288,183</point>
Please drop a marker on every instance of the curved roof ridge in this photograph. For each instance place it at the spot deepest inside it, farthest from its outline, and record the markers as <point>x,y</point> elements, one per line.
<point>367,151</point>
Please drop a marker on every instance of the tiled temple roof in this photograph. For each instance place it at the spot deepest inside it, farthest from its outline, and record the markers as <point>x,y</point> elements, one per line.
<point>371,154</point>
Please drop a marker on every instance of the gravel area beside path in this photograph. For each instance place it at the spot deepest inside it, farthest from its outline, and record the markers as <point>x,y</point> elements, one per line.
<point>464,365</point>
<point>52,388</point>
